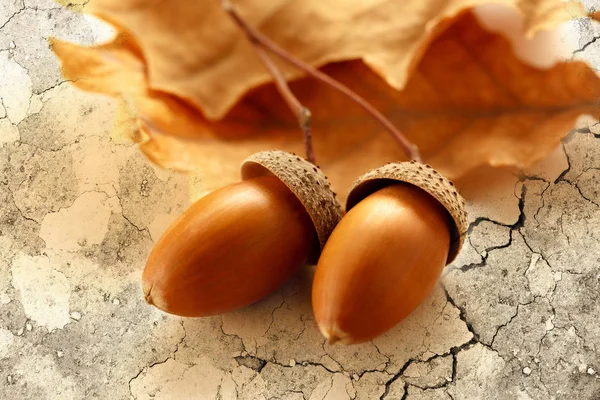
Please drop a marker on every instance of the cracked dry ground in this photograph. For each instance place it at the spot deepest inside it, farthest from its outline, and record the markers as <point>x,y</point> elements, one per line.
<point>515,317</point>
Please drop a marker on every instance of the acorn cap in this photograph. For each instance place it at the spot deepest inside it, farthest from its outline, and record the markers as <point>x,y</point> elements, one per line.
<point>306,181</point>
<point>424,177</point>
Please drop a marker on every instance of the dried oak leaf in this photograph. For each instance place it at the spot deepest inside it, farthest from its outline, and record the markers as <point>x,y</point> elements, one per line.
<point>194,51</point>
<point>469,102</point>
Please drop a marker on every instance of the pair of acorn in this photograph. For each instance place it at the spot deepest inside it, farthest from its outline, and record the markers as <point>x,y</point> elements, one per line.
<point>374,266</point>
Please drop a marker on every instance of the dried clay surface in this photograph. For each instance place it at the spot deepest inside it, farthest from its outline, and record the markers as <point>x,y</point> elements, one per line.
<point>515,316</point>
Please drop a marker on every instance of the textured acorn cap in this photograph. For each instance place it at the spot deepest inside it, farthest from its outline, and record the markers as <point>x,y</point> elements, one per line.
<point>424,177</point>
<point>306,181</point>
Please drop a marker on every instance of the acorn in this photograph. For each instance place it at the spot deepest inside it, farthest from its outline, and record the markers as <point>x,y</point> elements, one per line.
<point>239,243</point>
<point>404,223</point>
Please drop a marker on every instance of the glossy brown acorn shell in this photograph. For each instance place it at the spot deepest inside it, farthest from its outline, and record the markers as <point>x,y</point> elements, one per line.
<point>427,179</point>
<point>307,182</point>
<point>403,225</point>
<point>381,261</point>
<point>229,249</point>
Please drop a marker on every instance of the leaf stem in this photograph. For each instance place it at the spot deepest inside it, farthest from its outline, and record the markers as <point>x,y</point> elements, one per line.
<point>257,38</point>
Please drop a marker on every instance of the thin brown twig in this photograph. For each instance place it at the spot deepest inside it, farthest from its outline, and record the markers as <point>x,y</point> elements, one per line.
<point>302,113</point>
<point>409,148</point>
